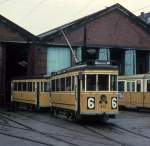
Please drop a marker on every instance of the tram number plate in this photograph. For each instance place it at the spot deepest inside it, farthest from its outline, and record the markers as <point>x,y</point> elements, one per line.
<point>90,102</point>
<point>114,102</point>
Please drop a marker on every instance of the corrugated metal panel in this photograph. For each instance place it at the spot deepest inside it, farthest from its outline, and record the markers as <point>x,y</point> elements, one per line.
<point>79,55</point>
<point>130,62</point>
<point>104,54</point>
<point>58,58</point>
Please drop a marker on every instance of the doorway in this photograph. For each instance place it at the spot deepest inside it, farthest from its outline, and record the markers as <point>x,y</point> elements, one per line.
<point>16,60</point>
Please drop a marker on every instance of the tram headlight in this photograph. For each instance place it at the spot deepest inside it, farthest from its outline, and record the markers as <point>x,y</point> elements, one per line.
<point>103,98</point>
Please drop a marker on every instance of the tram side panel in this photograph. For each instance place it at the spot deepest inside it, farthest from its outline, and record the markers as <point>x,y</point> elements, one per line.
<point>63,94</point>
<point>30,92</point>
<point>21,96</point>
<point>147,100</point>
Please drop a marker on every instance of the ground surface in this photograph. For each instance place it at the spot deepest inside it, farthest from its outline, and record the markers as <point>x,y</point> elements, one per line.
<point>24,128</point>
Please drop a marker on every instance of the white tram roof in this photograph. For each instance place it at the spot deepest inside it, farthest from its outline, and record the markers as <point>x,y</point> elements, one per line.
<point>86,67</point>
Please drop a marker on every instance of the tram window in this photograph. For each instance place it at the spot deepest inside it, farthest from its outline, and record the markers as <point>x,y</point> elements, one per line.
<point>24,85</point>
<point>33,88</point>
<point>121,86</point>
<point>91,82</point>
<point>72,84</point>
<point>15,86</point>
<point>29,86</point>
<point>102,82</point>
<point>113,83</point>
<point>62,83</point>
<point>46,87</point>
<point>68,84</point>
<point>133,86</point>
<point>128,86</point>
<point>83,82</point>
<point>138,85</point>
<point>148,85</point>
<point>19,86</point>
<point>58,85</point>
<point>42,86</point>
<point>53,85</point>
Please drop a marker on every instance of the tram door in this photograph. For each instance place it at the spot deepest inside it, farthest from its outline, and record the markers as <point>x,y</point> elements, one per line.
<point>37,94</point>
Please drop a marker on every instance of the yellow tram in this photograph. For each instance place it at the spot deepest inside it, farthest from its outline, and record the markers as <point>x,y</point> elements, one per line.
<point>85,90</point>
<point>134,91</point>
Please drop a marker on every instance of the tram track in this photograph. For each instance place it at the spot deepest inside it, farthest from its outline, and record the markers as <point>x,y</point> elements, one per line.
<point>10,126</point>
<point>56,125</point>
<point>114,126</point>
<point>106,137</point>
<point>94,129</point>
<point>25,139</point>
<point>35,131</point>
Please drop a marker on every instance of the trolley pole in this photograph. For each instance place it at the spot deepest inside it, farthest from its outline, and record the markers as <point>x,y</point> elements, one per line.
<point>75,58</point>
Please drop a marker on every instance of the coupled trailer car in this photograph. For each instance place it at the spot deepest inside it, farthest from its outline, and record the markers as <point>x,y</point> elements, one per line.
<point>135,91</point>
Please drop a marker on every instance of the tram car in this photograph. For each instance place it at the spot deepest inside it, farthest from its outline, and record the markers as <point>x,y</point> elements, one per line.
<point>134,91</point>
<point>85,91</point>
<point>31,92</point>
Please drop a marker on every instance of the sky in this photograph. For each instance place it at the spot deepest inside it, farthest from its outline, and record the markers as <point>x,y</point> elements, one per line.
<point>38,16</point>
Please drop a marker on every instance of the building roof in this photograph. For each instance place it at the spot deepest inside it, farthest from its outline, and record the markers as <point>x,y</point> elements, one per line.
<point>24,33</point>
<point>77,23</point>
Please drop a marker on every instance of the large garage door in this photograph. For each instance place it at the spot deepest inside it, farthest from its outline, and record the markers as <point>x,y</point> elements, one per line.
<point>58,58</point>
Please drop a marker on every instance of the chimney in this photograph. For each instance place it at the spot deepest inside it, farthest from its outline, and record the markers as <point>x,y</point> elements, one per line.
<point>142,14</point>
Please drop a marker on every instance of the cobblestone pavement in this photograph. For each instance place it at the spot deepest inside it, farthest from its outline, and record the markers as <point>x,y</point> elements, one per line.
<point>24,128</point>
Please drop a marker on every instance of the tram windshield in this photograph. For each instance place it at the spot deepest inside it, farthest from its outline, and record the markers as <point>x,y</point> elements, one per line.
<point>99,82</point>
